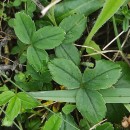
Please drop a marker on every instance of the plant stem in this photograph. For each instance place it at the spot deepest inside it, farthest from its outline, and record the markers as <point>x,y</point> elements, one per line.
<point>116,33</point>
<point>20,125</point>
<point>118,41</point>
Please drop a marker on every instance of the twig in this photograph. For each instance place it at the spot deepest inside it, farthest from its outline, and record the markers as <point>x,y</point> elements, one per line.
<point>3,42</point>
<point>125,59</point>
<point>101,52</point>
<point>43,9</point>
<point>98,52</point>
<point>6,67</point>
<point>97,124</point>
<point>127,36</point>
<point>113,40</point>
<point>39,5</point>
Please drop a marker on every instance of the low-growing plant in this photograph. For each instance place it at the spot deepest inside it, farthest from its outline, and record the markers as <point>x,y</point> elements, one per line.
<point>57,88</point>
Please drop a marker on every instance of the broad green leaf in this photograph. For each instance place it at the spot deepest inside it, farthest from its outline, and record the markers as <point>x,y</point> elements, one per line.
<point>5,97</point>
<point>124,80</point>
<point>65,72</point>
<point>12,111</point>
<point>69,7</point>
<point>68,108</point>
<point>27,101</point>
<point>73,29</point>
<point>116,95</point>
<point>91,105</point>
<point>69,124</point>
<point>53,123</point>
<point>24,27</point>
<point>48,37</point>
<point>109,9</point>
<point>105,126</point>
<point>68,51</point>
<point>92,48</point>
<point>58,96</point>
<point>36,58</point>
<point>104,75</point>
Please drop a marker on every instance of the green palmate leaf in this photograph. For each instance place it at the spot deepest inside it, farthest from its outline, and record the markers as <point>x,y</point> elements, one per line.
<point>92,48</point>
<point>104,75</point>
<point>69,124</point>
<point>105,126</point>
<point>24,27</point>
<point>53,123</point>
<point>73,29</point>
<point>69,7</point>
<point>109,9</point>
<point>48,37</point>
<point>124,80</point>
<point>5,97</point>
<point>37,57</point>
<point>12,111</point>
<point>27,101</point>
<point>65,72</point>
<point>68,108</point>
<point>68,51</point>
<point>91,105</point>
